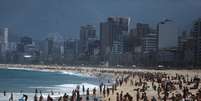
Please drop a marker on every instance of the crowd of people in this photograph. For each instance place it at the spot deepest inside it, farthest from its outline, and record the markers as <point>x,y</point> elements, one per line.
<point>75,96</point>
<point>176,87</point>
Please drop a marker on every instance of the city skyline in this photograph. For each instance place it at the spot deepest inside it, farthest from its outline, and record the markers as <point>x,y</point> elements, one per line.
<point>38,18</point>
<point>117,45</point>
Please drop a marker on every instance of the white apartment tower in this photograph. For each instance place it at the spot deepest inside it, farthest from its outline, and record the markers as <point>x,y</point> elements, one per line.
<point>3,39</point>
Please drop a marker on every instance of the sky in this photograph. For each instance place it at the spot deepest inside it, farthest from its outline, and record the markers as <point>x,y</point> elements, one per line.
<point>38,18</point>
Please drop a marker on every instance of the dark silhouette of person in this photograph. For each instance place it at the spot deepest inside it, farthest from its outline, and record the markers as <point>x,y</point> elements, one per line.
<point>25,97</point>
<point>49,98</point>
<point>41,98</point>
<point>65,97</point>
<point>4,93</point>
<point>83,89</point>
<point>11,97</point>
<point>36,91</point>
<point>35,98</point>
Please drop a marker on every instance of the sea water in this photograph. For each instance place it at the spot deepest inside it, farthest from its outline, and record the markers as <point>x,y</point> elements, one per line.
<point>26,80</point>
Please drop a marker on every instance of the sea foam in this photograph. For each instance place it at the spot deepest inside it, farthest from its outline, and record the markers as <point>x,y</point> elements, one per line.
<point>67,88</point>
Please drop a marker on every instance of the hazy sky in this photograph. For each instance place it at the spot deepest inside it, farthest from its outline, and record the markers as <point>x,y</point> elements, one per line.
<point>40,17</point>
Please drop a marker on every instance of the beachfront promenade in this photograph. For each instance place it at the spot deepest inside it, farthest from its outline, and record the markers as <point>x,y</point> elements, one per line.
<point>132,85</point>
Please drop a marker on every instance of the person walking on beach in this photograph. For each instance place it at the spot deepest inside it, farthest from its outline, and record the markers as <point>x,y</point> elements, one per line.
<point>4,93</point>
<point>153,99</point>
<point>117,97</point>
<point>41,98</point>
<point>11,97</point>
<point>104,92</point>
<point>52,93</point>
<point>94,91</point>
<point>25,97</point>
<point>49,98</point>
<point>65,97</point>
<point>121,96</point>
<point>138,95</point>
<point>40,92</point>
<point>100,87</point>
<point>145,97</point>
<point>112,89</point>
<point>83,89</point>
<point>108,91</point>
<point>35,98</point>
<point>73,97</point>
<point>95,99</point>
<point>60,98</point>
<point>87,98</point>
<point>173,98</point>
<point>36,91</point>
<point>159,91</point>
<point>78,95</point>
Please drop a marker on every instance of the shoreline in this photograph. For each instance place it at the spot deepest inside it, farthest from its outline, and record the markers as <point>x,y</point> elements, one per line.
<point>116,72</point>
<point>98,71</point>
<point>93,70</point>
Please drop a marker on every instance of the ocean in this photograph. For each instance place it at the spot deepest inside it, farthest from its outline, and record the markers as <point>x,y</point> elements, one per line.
<point>25,80</point>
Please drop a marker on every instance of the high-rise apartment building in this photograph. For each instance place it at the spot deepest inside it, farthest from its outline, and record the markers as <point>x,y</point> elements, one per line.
<point>196,32</point>
<point>4,39</point>
<point>87,35</point>
<point>111,33</point>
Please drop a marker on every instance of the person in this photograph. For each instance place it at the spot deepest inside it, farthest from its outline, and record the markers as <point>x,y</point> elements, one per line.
<point>117,97</point>
<point>87,91</point>
<point>104,92</point>
<point>108,91</point>
<point>78,95</point>
<point>166,93</point>
<point>153,99</point>
<point>65,97</point>
<point>4,93</point>
<point>100,88</point>
<point>94,91</point>
<point>40,92</point>
<point>112,89</point>
<point>95,99</point>
<point>41,98</point>
<point>87,98</point>
<point>121,96</point>
<point>80,99</point>
<point>36,91</point>
<point>60,98</point>
<point>173,98</point>
<point>145,97</point>
<point>180,84</point>
<point>11,97</point>
<point>49,98</point>
<point>159,91</point>
<point>52,93</point>
<point>83,89</point>
<point>25,97</point>
<point>73,95</point>
<point>138,95</point>
<point>130,98</point>
<point>35,98</point>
